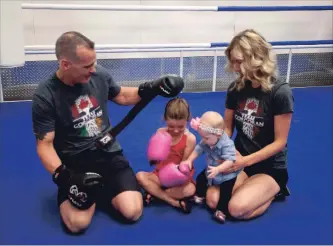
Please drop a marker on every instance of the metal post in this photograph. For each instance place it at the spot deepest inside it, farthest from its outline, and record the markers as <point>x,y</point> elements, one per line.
<point>1,93</point>
<point>289,65</point>
<point>181,64</point>
<point>162,65</point>
<point>215,71</point>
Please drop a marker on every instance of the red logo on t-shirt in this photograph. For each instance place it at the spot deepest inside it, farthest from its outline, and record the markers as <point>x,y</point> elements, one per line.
<point>250,115</point>
<point>87,116</point>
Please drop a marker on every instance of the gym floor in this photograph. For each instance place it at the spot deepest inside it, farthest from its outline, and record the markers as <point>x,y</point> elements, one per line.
<point>29,214</point>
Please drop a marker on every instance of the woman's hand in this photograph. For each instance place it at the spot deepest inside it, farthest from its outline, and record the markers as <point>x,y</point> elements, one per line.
<point>240,163</point>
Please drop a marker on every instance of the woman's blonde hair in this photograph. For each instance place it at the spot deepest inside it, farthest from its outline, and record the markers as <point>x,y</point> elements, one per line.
<point>177,109</point>
<point>258,59</point>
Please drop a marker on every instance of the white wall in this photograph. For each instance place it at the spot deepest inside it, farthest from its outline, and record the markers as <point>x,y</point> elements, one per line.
<point>42,27</point>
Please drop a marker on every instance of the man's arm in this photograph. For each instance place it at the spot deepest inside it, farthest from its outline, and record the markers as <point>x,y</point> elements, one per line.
<point>127,96</point>
<point>47,153</point>
<point>166,86</point>
<point>43,120</point>
<point>120,94</point>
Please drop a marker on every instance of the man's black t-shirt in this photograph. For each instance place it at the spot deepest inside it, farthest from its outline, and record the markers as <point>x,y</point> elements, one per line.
<point>254,117</point>
<point>77,114</point>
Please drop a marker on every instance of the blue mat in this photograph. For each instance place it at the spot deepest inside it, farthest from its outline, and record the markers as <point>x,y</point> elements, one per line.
<point>29,214</point>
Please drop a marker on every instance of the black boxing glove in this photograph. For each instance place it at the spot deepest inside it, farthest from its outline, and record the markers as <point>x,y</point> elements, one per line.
<point>166,86</point>
<point>81,187</point>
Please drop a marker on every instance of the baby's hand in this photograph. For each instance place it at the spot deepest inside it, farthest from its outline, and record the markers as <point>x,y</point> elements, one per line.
<point>186,163</point>
<point>222,168</point>
<point>212,172</point>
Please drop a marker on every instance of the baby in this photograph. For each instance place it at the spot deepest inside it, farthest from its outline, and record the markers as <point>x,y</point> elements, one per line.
<point>220,152</point>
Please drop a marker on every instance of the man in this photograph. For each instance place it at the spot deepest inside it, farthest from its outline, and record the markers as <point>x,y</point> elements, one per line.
<point>71,125</point>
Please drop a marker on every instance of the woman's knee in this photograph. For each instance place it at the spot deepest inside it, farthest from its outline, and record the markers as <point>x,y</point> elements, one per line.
<point>129,204</point>
<point>241,210</point>
<point>254,197</point>
<point>75,220</point>
<point>238,207</point>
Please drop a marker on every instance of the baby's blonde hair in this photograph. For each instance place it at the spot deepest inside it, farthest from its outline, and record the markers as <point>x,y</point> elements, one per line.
<point>259,61</point>
<point>212,119</point>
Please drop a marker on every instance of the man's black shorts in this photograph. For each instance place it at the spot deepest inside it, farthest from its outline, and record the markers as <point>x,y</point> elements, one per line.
<point>114,167</point>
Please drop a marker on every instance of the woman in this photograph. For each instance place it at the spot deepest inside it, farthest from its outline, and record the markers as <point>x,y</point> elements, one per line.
<point>260,107</point>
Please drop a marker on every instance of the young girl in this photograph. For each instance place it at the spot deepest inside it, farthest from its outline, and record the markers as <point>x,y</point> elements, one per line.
<point>176,116</point>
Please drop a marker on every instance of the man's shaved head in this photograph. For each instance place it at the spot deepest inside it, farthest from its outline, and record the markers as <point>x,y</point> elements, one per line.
<point>68,42</point>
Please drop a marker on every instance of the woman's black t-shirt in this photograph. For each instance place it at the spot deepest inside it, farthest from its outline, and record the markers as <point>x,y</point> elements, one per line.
<point>254,117</point>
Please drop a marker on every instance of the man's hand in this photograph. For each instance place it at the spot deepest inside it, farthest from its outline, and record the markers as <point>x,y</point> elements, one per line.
<point>166,86</point>
<point>81,187</point>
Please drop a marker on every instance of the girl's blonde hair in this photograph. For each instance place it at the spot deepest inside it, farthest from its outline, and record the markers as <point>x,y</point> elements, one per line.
<point>177,109</point>
<point>258,60</point>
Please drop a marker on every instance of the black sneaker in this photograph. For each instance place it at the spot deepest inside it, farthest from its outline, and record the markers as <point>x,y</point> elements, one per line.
<point>281,196</point>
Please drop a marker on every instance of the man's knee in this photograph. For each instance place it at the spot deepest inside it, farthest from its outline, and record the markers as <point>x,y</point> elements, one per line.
<point>77,224</point>
<point>132,213</point>
<point>129,204</point>
<point>75,221</point>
